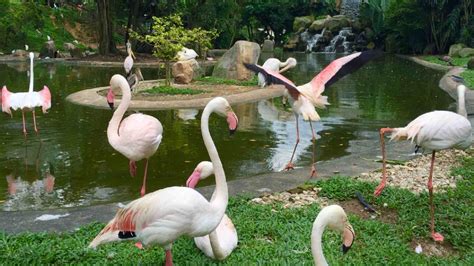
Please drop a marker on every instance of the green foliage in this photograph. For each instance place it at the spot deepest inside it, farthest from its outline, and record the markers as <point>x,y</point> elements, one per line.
<point>168,90</point>
<point>468,74</point>
<point>216,80</point>
<point>372,13</point>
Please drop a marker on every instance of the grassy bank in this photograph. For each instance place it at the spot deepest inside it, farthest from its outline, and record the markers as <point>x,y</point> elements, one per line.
<point>273,235</point>
<point>468,74</point>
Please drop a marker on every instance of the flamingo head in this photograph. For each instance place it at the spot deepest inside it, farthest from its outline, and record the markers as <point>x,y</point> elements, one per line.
<point>339,222</point>
<point>110,98</point>
<point>222,108</point>
<point>203,170</point>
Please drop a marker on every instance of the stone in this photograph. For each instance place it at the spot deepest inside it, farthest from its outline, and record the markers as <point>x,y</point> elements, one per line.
<point>185,71</point>
<point>317,25</point>
<point>302,22</point>
<point>20,53</point>
<point>466,52</point>
<point>336,23</point>
<point>48,50</point>
<point>268,46</point>
<point>455,48</point>
<point>216,52</point>
<point>73,50</point>
<point>470,63</point>
<point>230,65</point>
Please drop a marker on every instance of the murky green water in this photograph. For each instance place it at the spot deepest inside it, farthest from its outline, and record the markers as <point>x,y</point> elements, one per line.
<point>389,91</point>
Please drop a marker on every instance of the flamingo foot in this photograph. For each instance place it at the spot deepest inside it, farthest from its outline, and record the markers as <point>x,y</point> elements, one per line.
<point>139,245</point>
<point>379,189</point>
<point>133,168</point>
<point>289,166</point>
<point>437,237</point>
<point>313,171</point>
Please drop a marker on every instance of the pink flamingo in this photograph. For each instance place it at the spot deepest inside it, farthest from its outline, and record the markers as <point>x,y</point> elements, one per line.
<point>26,101</point>
<point>305,97</point>
<point>166,214</point>
<point>223,240</point>
<point>138,136</point>
<point>436,130</point>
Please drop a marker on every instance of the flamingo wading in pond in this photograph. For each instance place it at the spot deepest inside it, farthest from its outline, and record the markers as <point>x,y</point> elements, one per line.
<point>275,65</point>
<point>163,216</point>
<point>436,130</point>
<point>306,97</point>
<point>137,136</point>
<point>335,218</point>
<point>26,101</point>
<point>222,241</point>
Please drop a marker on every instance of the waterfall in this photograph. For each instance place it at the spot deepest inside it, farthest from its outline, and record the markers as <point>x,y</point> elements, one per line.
<point>350,8</point>
<point>339,42</point>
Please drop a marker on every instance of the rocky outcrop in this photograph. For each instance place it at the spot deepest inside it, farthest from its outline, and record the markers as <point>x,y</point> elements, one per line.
<point>73,50</point>
<point>20,53</point>
<point>336,23</point>
<point>466,52</point>
<point>48,50</point>
<point>230,65</point>
<point>470,63</point>
<point>185,71</point>
<point>302,22</point>
<point>455,48</point>
<point>268,46</point>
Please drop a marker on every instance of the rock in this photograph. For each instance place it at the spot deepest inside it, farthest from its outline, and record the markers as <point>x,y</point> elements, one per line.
<point>268,46</point>
<point>357,26</point>
<point>470,63</point>
<point>466,52</point>
<point>49,50</point>
<point>185,71</point>
<point>292,43</point>
<point>455,48</point>
<point>317,25</point>
<point>20,53</point>
<point>74,51</point>
<point>302,22</point>
<point>216,52</point>
<point>336,23</point>
<point>230,65</point>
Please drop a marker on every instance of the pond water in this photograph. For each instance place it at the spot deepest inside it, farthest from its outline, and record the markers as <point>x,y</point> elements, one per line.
<point>73,142</point>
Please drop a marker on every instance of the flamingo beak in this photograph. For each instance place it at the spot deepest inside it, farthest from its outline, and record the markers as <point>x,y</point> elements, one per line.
<point>233,121</point>
<point>110,98</point>
<point>348,238</point>
<point>193,179</point>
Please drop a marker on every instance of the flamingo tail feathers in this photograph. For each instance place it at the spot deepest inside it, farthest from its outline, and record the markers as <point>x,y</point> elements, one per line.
<point>45,96</point>
<point>402,133</point>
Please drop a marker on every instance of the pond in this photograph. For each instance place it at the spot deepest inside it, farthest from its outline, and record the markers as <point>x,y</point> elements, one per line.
<point>73,143</point>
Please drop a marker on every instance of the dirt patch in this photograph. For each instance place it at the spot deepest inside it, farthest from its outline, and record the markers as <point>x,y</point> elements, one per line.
<point>294,198</point>
<point>81,33</point>
<point>431,248</point>
<point>384,215</point>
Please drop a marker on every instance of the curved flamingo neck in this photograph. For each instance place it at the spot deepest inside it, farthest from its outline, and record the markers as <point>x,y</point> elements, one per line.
<point>462,100</point>
<point>216,246</point>
<point>30,88</point>
<point>316,241</point>
<point>221,195</point>
<point>114,123</point>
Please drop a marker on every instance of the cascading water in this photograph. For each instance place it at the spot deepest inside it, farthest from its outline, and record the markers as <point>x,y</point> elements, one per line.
<point>313,40</point>
<point>339,43</point>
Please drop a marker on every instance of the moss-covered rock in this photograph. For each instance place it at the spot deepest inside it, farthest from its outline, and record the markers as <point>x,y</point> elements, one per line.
<point>466,52</point>
<point>317,25</point>
<point>470,63</point>
<point>336,23</point>
<point>302,22</point>
<point>455,48</point>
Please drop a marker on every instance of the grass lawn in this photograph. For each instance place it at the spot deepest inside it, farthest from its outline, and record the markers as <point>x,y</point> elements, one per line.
<point>216,80</point>
<point>273,235</point>
<point>168,90</point>
<point>468,74</point>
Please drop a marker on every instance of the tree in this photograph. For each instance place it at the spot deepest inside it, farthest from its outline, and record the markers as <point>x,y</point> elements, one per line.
<point>168,37</point>
<point>106,40</point>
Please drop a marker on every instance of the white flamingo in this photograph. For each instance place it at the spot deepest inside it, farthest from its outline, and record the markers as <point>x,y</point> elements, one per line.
<point>335,218</point>
<point>26,101</point>
<point>186,54</point>
<point>166,214</point>
<point>436,130</point>
<point>137,136</point>
<point>306,97</point>
<point>128,62</point>
<point>275,65</point>
<point>222,241</point>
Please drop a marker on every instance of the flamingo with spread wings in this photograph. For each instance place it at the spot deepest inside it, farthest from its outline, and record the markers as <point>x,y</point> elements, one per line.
<point>306,97</point>
<point>26,101</point>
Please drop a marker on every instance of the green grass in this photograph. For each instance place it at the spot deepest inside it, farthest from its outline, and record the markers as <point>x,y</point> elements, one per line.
<point>272,235</point>
<point>168,90</point>
<point>215,80</point>
<point>468,74</point>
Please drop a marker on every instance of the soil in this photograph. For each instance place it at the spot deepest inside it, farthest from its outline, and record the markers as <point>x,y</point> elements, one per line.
<point>384,215</point>
<point>431,248</point>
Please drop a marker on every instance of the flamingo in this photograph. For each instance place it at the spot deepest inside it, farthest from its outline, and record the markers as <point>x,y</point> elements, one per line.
<point>223,240</point>
<point>305,97</point>
<point>166,214</point>
<point>335,218</point>
<point>274,64</point>
<point>138,136</point>
<point>186,54</point>
<point>128,62</point>
<point>27,101</point>
<point>436,130</point>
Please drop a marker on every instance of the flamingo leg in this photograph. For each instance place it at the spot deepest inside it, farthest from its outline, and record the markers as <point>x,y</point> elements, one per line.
<point>381,186</point>
<point>24,126</point>
<point>290,165</point>
<point>168,258</point>
<point>34,122</point>
<point>437,237</point>
<point>313,166</point>
<point>142,191</point>
<point>133,168</point>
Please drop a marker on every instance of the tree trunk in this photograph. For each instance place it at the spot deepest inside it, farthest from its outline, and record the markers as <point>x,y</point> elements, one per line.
<point>106,40</point>
<point>132,17</point>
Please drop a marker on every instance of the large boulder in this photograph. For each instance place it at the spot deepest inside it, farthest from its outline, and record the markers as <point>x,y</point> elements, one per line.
<point>336,23</point>
<point>470,63</point>
<point>317,25</point>
<point>455,48</point>
<point>268,46</point>
<point>302,22</point>
<point>292,43</point>
<point>466,52</point>
<point>185,71</point>
<point>20,53</point>
<point>230,65</point>
<point>48,50</point>
<point>73,50</point>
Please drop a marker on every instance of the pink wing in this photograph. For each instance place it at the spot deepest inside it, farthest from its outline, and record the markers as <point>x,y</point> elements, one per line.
<point>45,96</point>
<point>6,100</point>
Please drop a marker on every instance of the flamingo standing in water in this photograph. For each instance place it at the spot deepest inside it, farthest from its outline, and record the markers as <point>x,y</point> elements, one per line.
<point>274,65</point>
<point>223,240</point>
<point>138,136</point>
<point>335,218</point>
<point>436,130</point>
<point>166,214</point>
<point>128,62</point>
<point>305,97</point>
<point>26,101</point>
